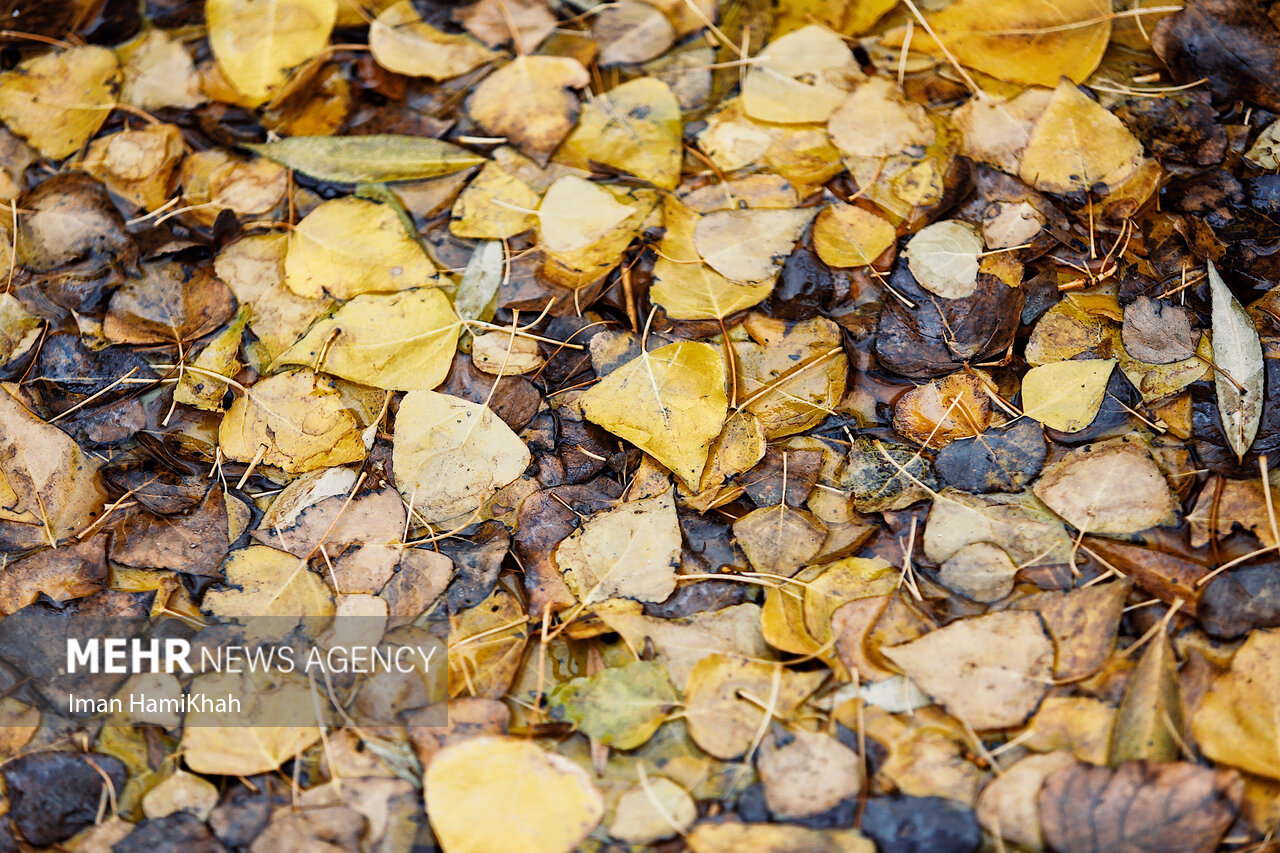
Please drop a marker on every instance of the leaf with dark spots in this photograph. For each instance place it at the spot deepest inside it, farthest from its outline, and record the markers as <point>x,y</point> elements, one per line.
<point>54,795</point>
<point>168,303</point>
<point>71,371</point>
<point>1175,132</point>
<point>195,543</point>
<point>61,574</point>
<point>1002,459</point>
<point>1115,415</point>
<point>939,335</point>
<point>515,400</point>
<point>1213,195</point>
<point>921,825</point>
<point>1231,42</point>
<point>158,491</point>
<point>1139,807</point>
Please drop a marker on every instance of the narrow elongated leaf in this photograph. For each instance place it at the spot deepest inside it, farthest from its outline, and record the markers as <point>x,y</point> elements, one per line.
<point>1149,719</point>
<point>480,282</point>
<point>379,157</point>
<point>1237,353</point>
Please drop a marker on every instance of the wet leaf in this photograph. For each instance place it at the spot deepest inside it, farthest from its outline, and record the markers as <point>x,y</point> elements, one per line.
<point>635,128</point>
<point>480,282</point>
<point>1230,42</point>
<point>1149,720</point>
<point>630,31</point>
<point>1077,145</point>
<point>805,773</point>
<point>944,258</point>
<point>1239,377</point>
<point>1234,724</point>
<point>1113,487</point>
<point>1018,523</point>
<point>680,643</point>
<point>748,245</point>
<point>167,303</point>
<point>671,403</point>
<point>631,551</point>
<point>259,44</point>
<point>494,206</point>
<point>267,582</point>
<point>849,236</point>
<point>1002,459</point>
<point>548,802</point>
<point>368,159</point>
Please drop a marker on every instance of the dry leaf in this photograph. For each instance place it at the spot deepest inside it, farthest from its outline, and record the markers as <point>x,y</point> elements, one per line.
<point>725,698</point>
<point>496,22</point>
<point>805,773</point>
<point>989,671</point>
<point>399,341</point>
<point>402,42</point>
<point>494,206</point>
<point>547,803</point>
<point>58,100</point>
<point>875,120</point>
<point>801,77</point>
<point>630,31</point>
<point>1077,145</point>
<point>258,45</point>
<point>1235,723</point>
<point>635,128</point>
<point>158,72</point>
<point>1239,377</point>
<point>349,246</point>
<point>671,403</point>
<point>452,455</point>
<point>296,421</point>
<point>681,643</point>
<point>1066,395</point>
<point>1149,720</point>
<point>1113,487</point>
<point>775,838</point>
<point>654,811</point>
<point>849,236</point>
<point>137,164</point>
<point>530,102</point>
<point>265,582</point>
<point>944,258</point>
<point>631,551</point>
<point>376,157</point>
<point>253,268</point>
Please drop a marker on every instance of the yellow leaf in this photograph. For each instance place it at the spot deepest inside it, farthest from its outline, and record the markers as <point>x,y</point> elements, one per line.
<point>503,793</point>
<point>486,646</point>
<point>876,120</point>
<point>1066,395</point>
<point>137,164</point>
<point>776,838</point>
<point>208,747</point>
<point>58,100</point>
<point>1076,145</point>
<point>402,42</point>
<point>1236,722</point>
<point>158,72</point>
<point>687,288</point>
<point>670,403</point>
<point>400,341</point>
<point>530,101</point>
<point>749,245</point>
<point>726,696</point>
<point>494,206</point>
<point>297,420</point>
<point>997,132</point>
<point>451,455</point>
<point>201,387</point>
<point>584,228</point>
<point>849,236</point>
<point>258,43</point>
<point>1030,43</point>
<point>847,17</point>
<point>45,479</point>
<point>264,582</point>
<point>790,375</point>
<point>253,267</point>
<point>635,128</point>
<point>802,77</point>
<point>681,643</point>
<point>630,551</point>
<point>350,246</point>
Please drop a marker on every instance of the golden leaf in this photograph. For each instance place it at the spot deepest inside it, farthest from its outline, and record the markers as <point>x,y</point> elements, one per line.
<point>58,100</point>
<point>258,44</point>
<point>402,42</point>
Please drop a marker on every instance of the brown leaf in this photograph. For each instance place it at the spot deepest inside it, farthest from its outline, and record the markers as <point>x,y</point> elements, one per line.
<point>169,303</point>
<point>1138,807</point>
<point>1231,42</point>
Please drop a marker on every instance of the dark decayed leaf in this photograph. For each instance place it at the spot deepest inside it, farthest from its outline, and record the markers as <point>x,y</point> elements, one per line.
<point>1231,42</point>
<point>1236,602</point>
<point>1002,459</point>
<point>921,825</point>
<point>53,795</point>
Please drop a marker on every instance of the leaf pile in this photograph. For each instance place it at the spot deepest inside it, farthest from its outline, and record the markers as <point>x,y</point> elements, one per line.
<point>825,426</point>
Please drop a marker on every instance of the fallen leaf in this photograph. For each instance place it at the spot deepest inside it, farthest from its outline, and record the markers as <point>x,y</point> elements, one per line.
<point>1239,378</point>
<point>653,811</point>
<point>494,206</point>
<point>1229,42</point>
<point>732,631</point>
<point>630,32</point>
<point>495,22</point>
<point>989,671</point>
<point>295,420</point>
<point>373,158</point>
<point>997,132</point>
<point>721,720</point>
<point>349,246</point>
<point>941,411</point>
<point>805,773</point>
<point>158,72</point>
<point>1139,806</point>
<point>635,128</point>
<point>210,746</point>
<point>1009,806</point>
<point>1077,145</point>
<point>548,804</point>
<point>206,384</point>
<point>399,341</point>
<point>876,120</point>
<point>402,42</point>
<point>631,551</point>
<point>849,236</point>
<point>58,100</point>
<point>1033,45</point>
<point>1001,459</point>
<point>801,77</point>
<point>137,164</point>
<point>451,455</point>
<point>530,102</point>
<point>980,571</point>
<point>790,375</point>
<point>258,45</point>
<point>480,282</point>
<point>1234,724</point>
<point>775,838</point>
<point>1066,395</point>
<point>167,303</point>
<point>671,403</point>
<point>253,268</point>
<point>1113,487</point>
<point>944,258</point>
<point>1157,332</point>
<point>486,646</point>
<point>1149,722</point>
<point>620,706</point>
<point>779,540</point>
<point>46,480</point>
<point>262,581</point>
